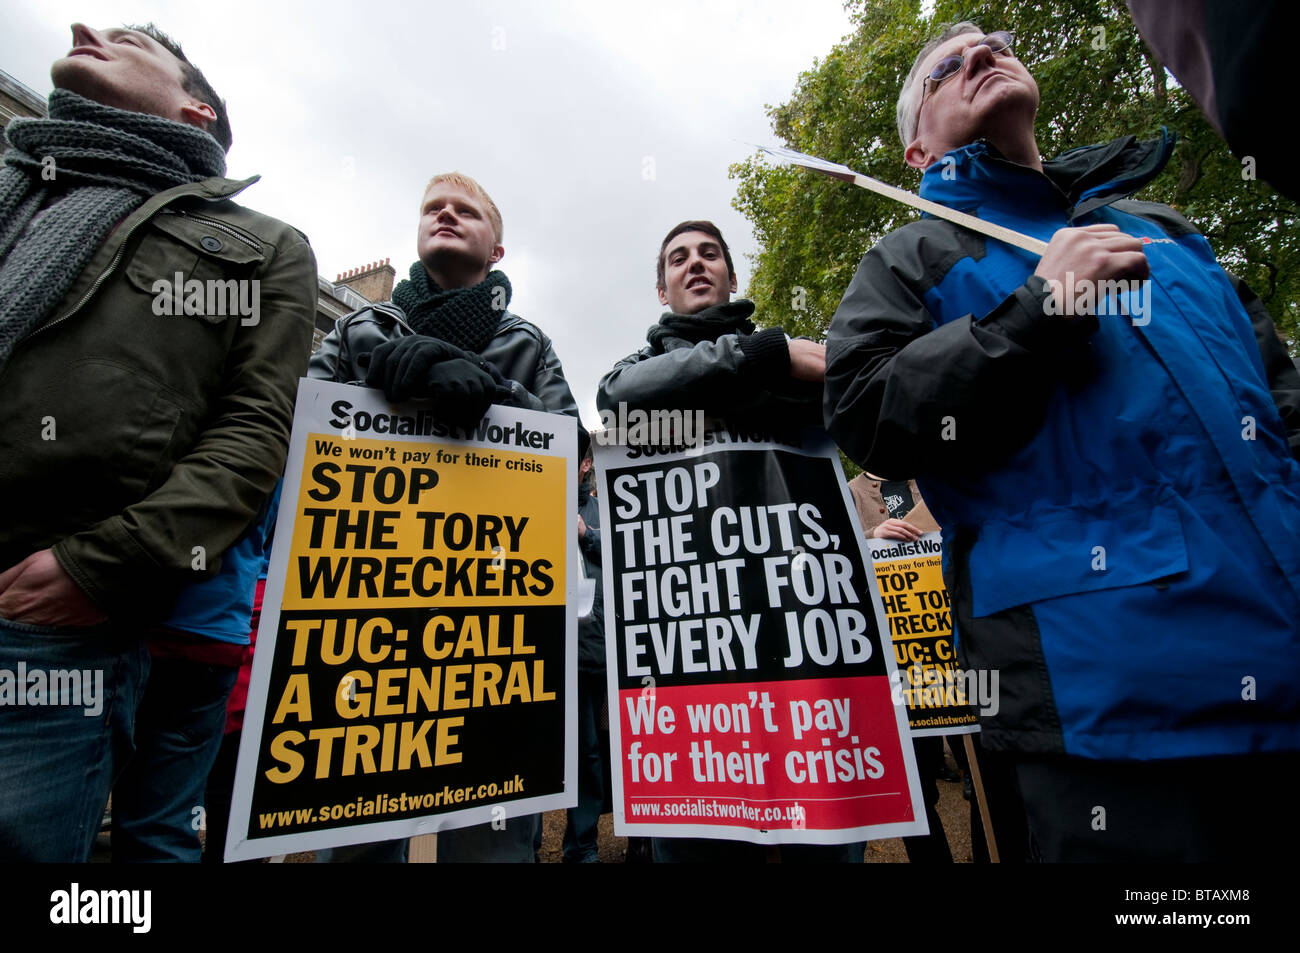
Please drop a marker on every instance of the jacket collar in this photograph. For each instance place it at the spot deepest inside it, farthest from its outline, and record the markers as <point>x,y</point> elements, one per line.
<point>217,189</point>
<point>1077,181</point>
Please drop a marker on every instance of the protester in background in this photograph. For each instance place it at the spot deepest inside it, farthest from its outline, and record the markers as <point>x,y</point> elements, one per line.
<point>139,440</point>
<point>448,338</point>
<point>580,831</point>
<point>893,509</point>
<point>1096,447</point>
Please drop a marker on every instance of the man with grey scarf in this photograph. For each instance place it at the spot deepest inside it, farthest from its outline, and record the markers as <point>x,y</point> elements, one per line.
<point>147,412</point>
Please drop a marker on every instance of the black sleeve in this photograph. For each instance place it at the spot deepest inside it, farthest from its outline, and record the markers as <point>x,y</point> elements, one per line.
<point>1283,378</point>
<point>715,375</point>
<point>904,397</point>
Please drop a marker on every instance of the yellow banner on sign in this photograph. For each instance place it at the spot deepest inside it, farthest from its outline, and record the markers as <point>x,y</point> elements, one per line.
<point>398,524</point>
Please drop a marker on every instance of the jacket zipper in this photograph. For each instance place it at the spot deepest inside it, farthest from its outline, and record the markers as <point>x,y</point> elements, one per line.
<point>112,266</point>
<point>219,226</point>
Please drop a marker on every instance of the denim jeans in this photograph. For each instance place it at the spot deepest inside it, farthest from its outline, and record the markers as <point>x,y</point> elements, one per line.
<point>58,761</point>
<point>158,799</point>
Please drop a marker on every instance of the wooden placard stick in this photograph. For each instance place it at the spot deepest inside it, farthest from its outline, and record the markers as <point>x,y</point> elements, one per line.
<point>978,783</point>
<point>843,172</point>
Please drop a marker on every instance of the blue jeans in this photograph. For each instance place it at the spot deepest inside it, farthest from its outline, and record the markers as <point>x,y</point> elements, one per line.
<point>58,761</point>
<point>158,800</point>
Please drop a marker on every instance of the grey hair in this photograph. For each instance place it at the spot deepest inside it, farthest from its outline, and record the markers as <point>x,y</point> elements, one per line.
<point>909,99</point>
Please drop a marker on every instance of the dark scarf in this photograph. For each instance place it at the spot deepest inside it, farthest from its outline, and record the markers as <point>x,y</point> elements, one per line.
<point>67,181</point>
<point>465,317</point>
<point>687,330</point>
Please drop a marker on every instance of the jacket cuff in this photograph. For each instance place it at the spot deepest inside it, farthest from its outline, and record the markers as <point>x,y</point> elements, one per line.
<point>1025,319</point>
<point>766,353</point>
<point>114,572</point>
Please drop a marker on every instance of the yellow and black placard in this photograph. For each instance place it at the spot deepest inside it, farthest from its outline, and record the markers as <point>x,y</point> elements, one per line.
<point>418,663</point>
<point>918,611</point>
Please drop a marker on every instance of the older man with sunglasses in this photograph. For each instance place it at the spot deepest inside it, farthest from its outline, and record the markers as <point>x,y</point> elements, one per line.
<point>1113,460</point>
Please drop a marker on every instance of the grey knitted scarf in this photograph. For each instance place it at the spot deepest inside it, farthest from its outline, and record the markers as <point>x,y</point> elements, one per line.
<point>67,181</point>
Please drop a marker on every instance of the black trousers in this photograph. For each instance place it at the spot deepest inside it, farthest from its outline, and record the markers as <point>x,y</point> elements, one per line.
<point>1190,810</point>
<point>931,849</point>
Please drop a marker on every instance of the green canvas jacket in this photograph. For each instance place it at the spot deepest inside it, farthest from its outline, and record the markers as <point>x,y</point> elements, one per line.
<point>137,443</point>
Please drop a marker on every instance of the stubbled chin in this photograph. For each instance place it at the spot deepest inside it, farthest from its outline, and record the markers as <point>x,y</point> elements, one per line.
<point>73,74</point>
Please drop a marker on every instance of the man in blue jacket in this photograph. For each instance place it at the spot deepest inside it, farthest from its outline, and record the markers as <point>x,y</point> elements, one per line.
<point>1112,460</point>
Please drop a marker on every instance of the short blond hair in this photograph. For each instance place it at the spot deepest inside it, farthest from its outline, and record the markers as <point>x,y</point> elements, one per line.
<point>462,181</point>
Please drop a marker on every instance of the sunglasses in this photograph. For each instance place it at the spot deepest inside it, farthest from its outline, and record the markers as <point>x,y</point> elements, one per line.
<point>998,43</point>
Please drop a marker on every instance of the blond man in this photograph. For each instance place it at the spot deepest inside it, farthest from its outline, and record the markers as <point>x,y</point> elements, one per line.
<point>448,337</point>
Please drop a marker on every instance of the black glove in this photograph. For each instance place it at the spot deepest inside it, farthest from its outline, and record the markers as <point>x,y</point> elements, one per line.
<point>461,385</point>
<point>461,392</point>
<point>401,368</point>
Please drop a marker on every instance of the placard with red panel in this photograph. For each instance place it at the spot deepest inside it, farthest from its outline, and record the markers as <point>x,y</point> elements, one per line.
<point>749,681</point>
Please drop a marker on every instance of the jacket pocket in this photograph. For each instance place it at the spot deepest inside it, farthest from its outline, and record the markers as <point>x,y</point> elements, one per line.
<point>1067,551</point>
<point>196,266</point>
<point>115,438</point>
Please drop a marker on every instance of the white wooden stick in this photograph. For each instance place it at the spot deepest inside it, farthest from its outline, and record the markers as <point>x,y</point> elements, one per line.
<point>1008,235</point>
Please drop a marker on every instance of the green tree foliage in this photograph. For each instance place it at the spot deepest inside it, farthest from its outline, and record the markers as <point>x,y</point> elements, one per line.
<point>1097,79</point>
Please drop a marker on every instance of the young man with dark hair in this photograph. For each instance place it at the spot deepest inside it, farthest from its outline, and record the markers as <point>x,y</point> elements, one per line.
<point>705,354</point>
<point>139,440</point>
<point>448,338</point>
<point>1112,461</point>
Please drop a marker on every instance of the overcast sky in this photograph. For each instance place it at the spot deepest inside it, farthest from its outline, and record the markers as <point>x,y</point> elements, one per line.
<point>596,127</point>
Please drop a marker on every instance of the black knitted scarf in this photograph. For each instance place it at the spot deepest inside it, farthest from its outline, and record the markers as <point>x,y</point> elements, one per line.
<point>465,317</point>
<point>687,330</point>
<point>67,180</point>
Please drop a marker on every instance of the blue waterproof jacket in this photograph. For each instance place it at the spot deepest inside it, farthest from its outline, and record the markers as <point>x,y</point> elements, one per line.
<point>1119,494</point>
